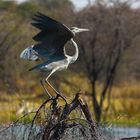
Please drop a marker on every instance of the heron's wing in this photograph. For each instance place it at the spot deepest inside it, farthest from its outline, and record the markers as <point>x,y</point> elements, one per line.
<point>44,22</point>
<point>51,38</point>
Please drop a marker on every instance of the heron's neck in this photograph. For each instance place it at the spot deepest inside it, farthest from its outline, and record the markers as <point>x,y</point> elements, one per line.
<point>75,56</point>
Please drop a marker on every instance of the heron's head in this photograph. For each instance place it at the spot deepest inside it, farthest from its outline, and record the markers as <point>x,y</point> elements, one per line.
<point>78,30</point>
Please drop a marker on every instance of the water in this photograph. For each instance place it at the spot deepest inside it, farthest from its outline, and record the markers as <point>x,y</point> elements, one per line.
<point>21,132</point>
<point>124,132</point>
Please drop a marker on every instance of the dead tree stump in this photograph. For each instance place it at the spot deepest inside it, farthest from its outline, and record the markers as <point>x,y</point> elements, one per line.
<point>59,119</point>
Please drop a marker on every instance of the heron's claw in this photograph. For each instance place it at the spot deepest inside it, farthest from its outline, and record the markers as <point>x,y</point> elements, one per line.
<point>63,97</point>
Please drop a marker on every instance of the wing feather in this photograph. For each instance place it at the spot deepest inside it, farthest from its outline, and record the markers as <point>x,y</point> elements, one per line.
<point>52,37</point>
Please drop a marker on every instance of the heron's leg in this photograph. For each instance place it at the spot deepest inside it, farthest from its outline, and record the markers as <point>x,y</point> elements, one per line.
<point>46,80</point>
<point>58,93</point>
<point>41,81</point>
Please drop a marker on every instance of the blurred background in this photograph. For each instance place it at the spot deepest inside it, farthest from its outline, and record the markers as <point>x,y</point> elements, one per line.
<point>107,71</point>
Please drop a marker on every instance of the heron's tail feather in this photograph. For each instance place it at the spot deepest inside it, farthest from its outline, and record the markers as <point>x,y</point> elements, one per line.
<point>42,66</point>
<point>29,54</point>
<point>33,68</point>
<point>37,67</point>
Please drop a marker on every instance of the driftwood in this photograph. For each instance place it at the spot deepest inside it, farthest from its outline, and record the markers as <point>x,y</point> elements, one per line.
<point>59,119</point>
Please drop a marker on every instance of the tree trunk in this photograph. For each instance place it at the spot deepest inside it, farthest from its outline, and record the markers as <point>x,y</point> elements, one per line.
<point>96,107</point>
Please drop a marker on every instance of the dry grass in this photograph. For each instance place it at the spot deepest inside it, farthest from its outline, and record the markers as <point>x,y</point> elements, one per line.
<point>124,109</point>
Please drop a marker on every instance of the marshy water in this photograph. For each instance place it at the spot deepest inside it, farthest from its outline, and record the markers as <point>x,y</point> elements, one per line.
<point>122,132</point>
<point>21,132</point>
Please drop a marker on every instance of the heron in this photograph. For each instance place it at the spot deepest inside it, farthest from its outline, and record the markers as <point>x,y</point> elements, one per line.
<point>50,47</point>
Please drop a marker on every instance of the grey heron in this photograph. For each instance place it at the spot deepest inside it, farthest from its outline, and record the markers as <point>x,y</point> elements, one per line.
<point>50,48</point>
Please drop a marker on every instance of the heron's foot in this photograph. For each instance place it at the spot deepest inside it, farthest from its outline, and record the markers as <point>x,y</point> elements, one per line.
<point>50,96</point>
<point>58,94</point>
<point>61,96</point>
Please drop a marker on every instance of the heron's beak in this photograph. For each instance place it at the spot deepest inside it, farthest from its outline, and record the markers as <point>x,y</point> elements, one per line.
<point>82,30</point>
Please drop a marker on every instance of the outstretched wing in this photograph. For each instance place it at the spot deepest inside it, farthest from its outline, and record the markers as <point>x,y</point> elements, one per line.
<point>52,37</point>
